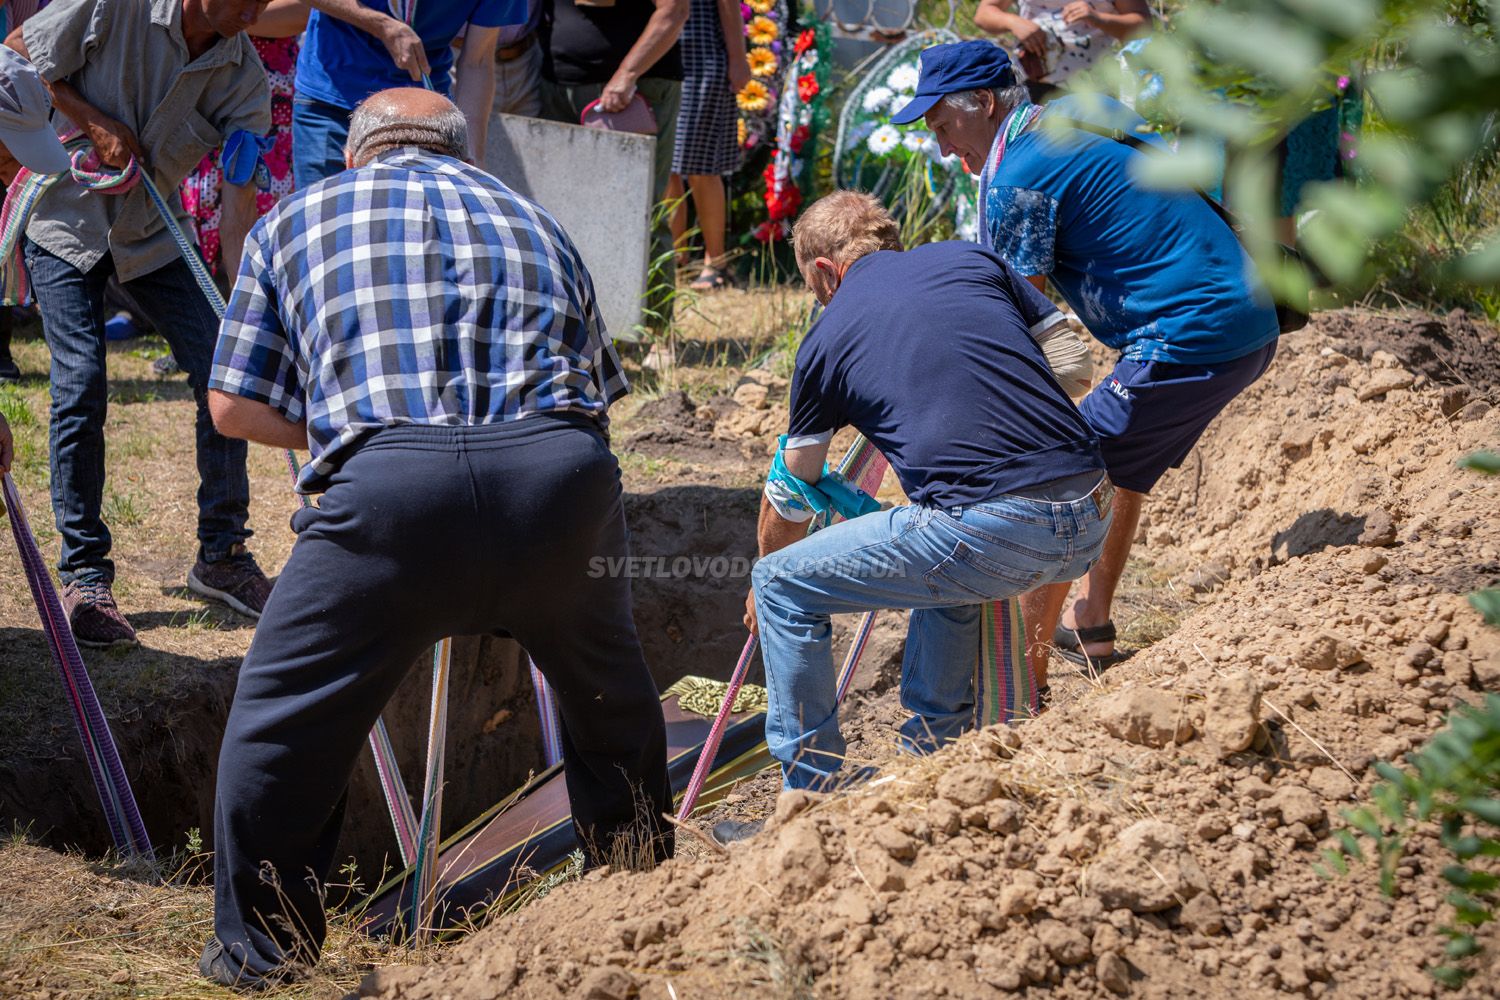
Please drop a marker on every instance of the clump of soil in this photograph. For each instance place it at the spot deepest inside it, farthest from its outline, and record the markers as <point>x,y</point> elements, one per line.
<point>1156,833</point>
<point>1454,349</point>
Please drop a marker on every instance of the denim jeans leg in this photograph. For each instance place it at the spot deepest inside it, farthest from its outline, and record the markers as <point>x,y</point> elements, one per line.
<point>937,675</point>
<point>909,557</point>
<point>175,305</point>
<point>72,306</point>
<point>319,132</point>
<point>876,561</point>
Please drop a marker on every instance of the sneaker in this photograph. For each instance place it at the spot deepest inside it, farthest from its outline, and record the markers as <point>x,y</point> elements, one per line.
<point>215,965</point>
<point>165,366</point>
<point>94,617</point>
<point>236,580</point>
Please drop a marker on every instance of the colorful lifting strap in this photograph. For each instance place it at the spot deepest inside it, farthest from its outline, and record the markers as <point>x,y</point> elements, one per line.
<point>108,771</point>
<point>22,197</point>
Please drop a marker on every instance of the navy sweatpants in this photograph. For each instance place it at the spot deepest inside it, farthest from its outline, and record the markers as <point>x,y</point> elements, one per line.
<point>427,532</point>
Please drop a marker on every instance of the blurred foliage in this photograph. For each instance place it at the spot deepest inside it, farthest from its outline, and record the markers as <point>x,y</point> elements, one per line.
<point>1452,781</point>
<point>1232,77</point>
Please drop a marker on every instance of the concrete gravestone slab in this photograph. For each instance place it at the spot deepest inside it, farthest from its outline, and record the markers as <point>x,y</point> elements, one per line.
<point>597,184</point>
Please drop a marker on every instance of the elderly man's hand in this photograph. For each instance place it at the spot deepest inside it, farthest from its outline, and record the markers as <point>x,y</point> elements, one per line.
<point>113,141</point>
<point>1031,36</point>
<point>750,622</point>
<point>1078,10</point>
<point>405,47</point>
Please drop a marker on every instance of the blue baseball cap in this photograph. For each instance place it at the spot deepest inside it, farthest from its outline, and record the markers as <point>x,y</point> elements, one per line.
<point>953,68</point>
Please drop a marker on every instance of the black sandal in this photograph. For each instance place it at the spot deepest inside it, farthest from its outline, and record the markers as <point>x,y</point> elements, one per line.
<point>1070,642</point>
<point>711,279</point>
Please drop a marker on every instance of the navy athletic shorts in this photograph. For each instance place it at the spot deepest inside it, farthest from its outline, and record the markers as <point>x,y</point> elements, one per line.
<point>1149,414</point>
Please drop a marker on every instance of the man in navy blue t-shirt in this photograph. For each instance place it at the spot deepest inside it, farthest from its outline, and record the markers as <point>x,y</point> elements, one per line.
<point>929,354</point>
<point>354,48</point>
<point>1156,275</point>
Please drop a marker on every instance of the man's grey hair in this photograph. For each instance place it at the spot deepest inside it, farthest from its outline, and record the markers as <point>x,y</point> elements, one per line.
<point>967,101</point>
<point>376,129</point>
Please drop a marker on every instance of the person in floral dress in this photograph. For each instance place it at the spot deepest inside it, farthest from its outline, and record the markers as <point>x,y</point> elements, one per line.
<point>200,192</point>
<point>276,38</point>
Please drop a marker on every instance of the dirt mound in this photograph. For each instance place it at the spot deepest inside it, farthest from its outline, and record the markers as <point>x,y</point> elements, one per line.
<point>1450,350</point>
<point>1156,837</point>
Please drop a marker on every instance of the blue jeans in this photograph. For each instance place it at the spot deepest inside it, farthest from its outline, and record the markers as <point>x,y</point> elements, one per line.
<point>319,132</point>
<point>943,564</point>
<point>72,306</point>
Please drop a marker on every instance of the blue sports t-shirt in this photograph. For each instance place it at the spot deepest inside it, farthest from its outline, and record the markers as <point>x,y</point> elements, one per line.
<point>1154,274</point>
<point>929,354</point>
<point>342,65</point>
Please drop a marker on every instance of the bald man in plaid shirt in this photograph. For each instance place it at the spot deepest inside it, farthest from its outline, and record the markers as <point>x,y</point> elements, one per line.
<point>433,338</point>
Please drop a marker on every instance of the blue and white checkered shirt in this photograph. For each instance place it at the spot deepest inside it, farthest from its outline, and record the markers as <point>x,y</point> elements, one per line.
<point>414,290</point>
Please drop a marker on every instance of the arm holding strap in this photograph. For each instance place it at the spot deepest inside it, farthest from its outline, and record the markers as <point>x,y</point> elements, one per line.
<point>798,500</point>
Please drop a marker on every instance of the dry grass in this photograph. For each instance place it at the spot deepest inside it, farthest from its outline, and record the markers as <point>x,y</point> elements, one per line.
<point>95,929</point>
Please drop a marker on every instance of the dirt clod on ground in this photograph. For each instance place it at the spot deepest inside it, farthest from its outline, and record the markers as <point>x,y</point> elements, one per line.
<point>1155,833</point>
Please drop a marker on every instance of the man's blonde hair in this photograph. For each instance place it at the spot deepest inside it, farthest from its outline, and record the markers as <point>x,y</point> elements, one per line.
<point>844,226</point>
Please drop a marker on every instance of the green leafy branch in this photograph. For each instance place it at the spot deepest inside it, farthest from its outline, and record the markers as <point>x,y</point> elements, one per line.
<point>1452,781</point>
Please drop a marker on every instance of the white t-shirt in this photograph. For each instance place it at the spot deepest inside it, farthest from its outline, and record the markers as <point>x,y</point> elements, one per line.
<point>1071,48</point>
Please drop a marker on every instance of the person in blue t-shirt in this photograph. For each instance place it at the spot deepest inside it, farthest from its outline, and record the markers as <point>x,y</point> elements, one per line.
<point>929,353</point>
<point>354,48</point>
<point>1156,275</point>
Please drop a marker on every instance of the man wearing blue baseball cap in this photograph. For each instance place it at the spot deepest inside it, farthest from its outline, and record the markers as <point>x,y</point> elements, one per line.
<point>1156,275</point>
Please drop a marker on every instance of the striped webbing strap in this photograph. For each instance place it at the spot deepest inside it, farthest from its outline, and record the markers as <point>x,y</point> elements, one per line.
<point>546,707</point>
<point>27,190</point>
<point>121,814</point>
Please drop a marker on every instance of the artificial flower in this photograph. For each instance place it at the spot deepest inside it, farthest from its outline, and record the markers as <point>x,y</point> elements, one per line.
<point>761,6</point>
<point>903,79</point>
<point>807,87</point>
<point>746,12</point>
<point>761,31</point>
<point>923,143</point>
<point>877,100</point>
<point>805,41</point>
<point>768,232</point>
<point>741,131</point>
<point>754,97</point>
<point>883,140</point>
<point>799,138</point>
<point>784,205</point>
<point>762,62</point>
